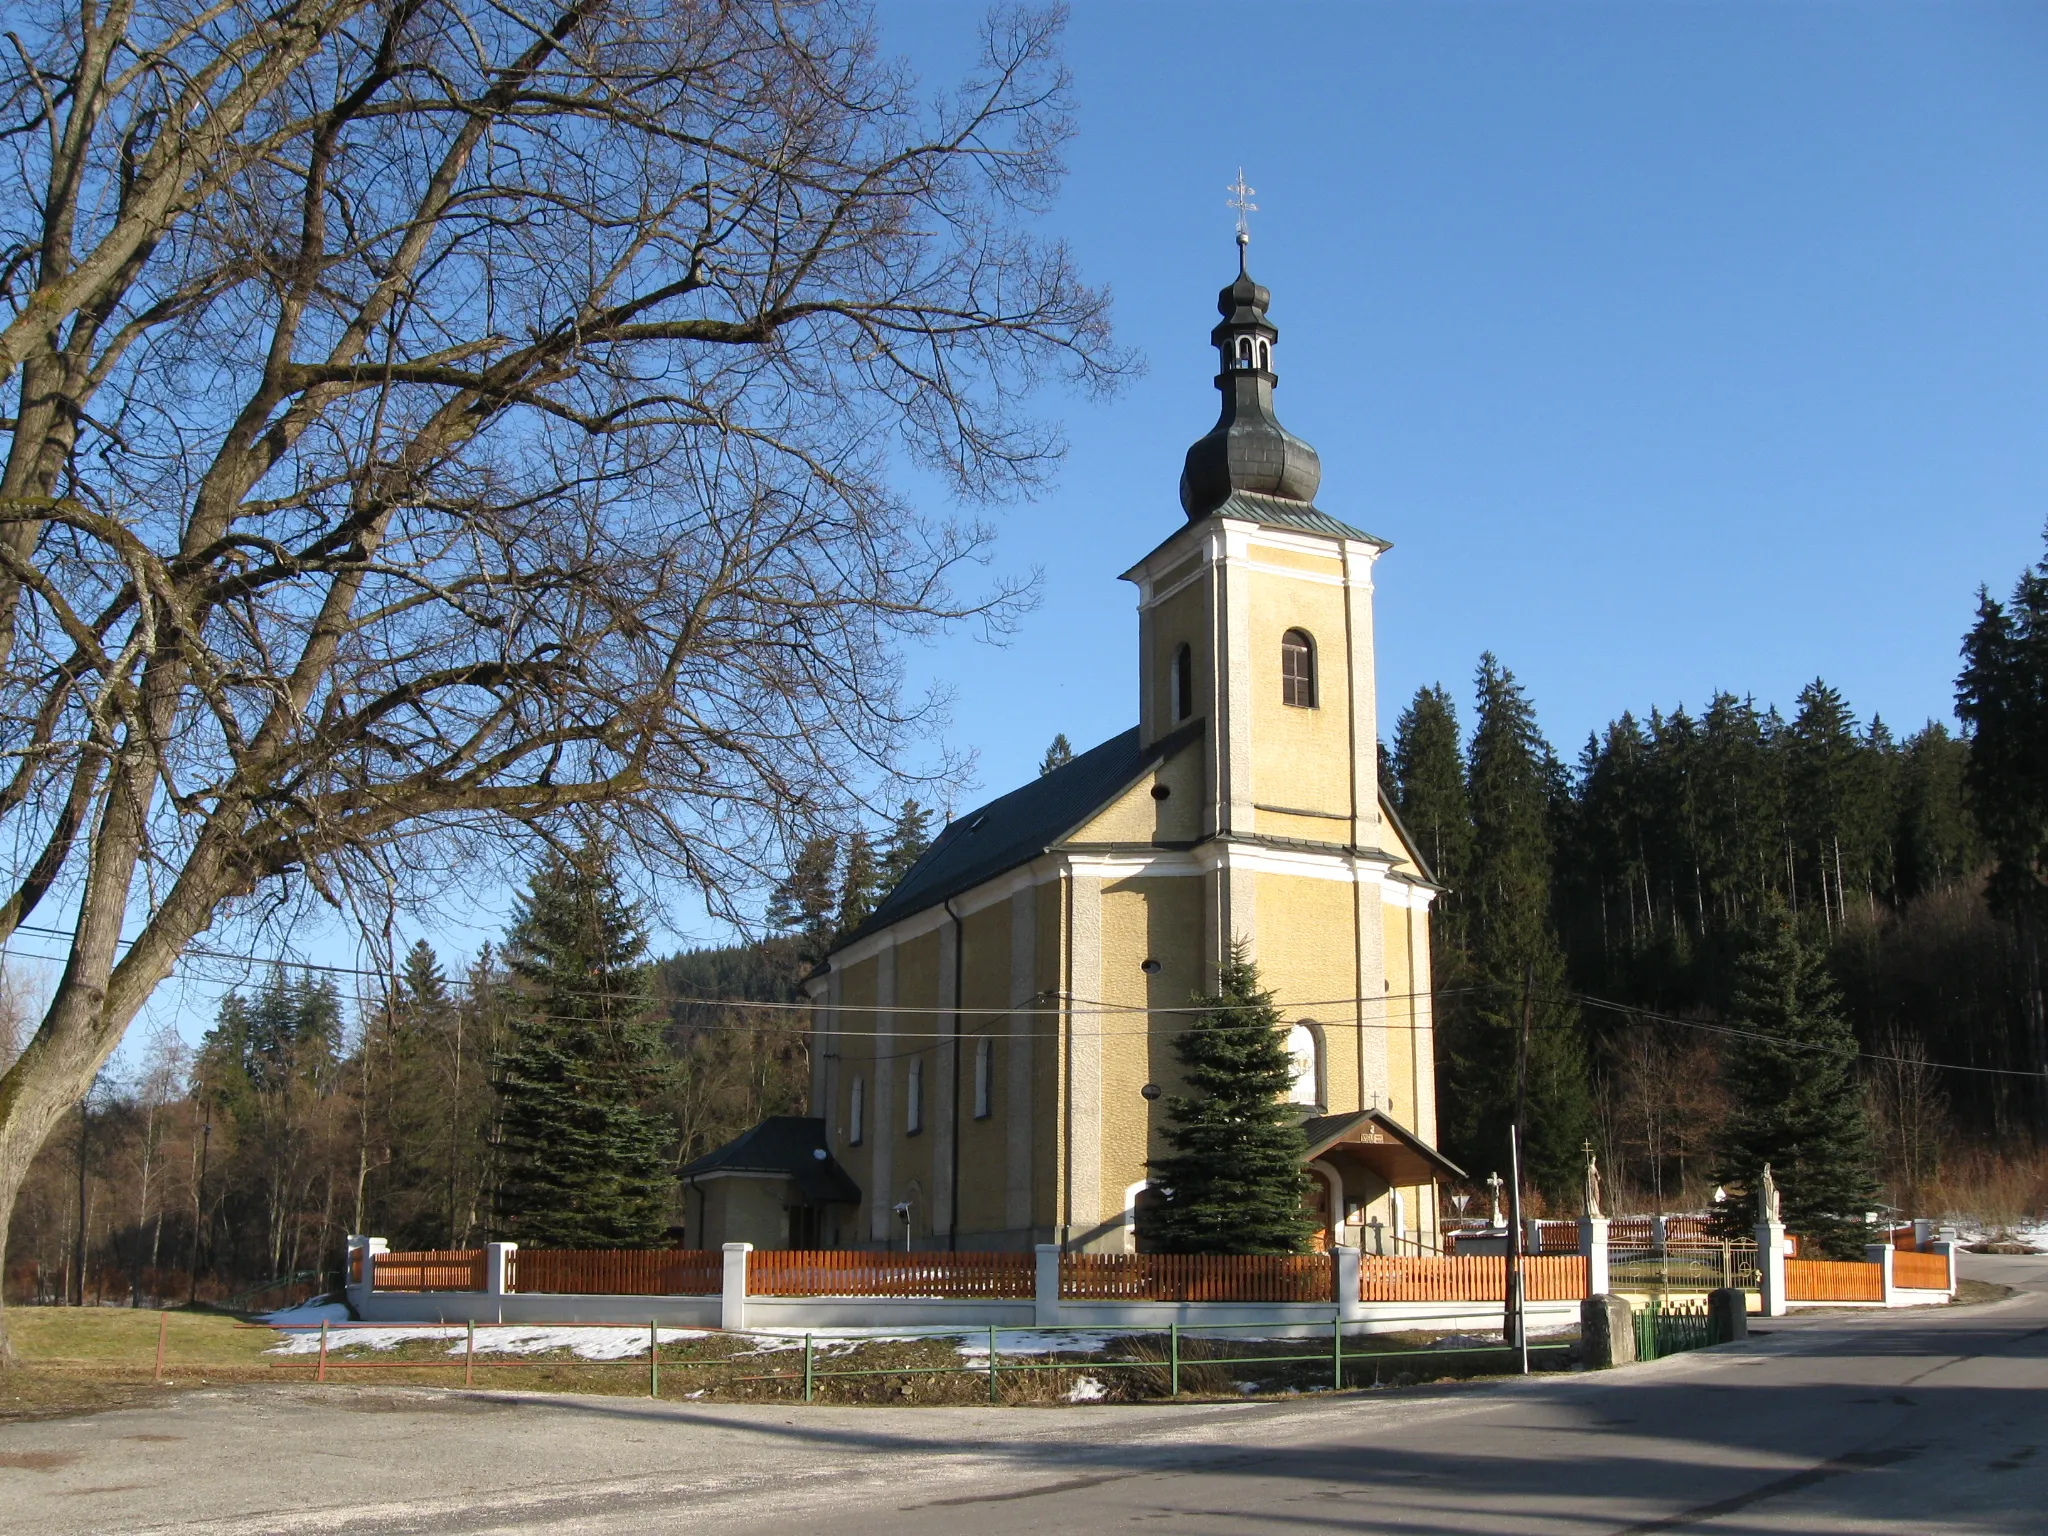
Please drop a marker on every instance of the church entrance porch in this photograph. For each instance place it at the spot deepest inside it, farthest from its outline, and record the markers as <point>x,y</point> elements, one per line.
<point>1376,1181</point>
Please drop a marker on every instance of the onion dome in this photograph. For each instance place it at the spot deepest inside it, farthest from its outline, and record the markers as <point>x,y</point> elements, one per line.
<point>1247,449</point>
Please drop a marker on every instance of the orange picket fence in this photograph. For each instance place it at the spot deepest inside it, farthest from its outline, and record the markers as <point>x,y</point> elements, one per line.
<point>1832,1280</point>
<point>1471,1277</point>
<point>836,1272</point>
<point>1196,1277</point>
<point>460,1269</point>
<point>1920,1271</point>
<point>615,1271</point>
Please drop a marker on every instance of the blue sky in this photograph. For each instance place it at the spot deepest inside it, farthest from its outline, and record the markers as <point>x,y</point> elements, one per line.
<point>1675,347</point>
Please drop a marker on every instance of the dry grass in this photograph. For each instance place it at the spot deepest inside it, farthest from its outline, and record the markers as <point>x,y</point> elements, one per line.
<point>73,1360</point>
<point>1992,1189</point>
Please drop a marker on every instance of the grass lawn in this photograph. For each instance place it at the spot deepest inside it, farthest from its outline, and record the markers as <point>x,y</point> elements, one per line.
<point>71,1360</point>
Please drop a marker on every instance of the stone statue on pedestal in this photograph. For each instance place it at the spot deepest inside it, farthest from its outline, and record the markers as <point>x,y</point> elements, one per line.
<point>1767,1200</point>
<point>1592,1181</point>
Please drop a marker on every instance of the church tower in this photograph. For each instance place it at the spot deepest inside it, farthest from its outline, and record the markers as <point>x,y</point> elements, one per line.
<point>993,1049</point>
<point>1255,618</point>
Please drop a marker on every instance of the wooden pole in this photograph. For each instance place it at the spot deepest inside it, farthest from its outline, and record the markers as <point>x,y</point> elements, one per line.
<point>469,1358</point>
<point>163,1326</point>
<point>321,1373</point>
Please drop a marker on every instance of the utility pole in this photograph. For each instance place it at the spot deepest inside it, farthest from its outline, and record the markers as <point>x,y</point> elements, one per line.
<point>1514,1326</point>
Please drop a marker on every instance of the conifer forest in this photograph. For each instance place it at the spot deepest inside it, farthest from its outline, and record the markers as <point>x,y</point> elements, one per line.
<point>1704,914</point>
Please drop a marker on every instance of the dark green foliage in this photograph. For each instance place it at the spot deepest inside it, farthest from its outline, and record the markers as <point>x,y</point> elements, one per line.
<point>2002,697</point>
<point>908,839</point>
<point>804,904</point>
<point>1058,755</point>
<point>1936,842</point>
<point>585,1159</point>
<point>1428,770</point>
<point>1509,939</point>
<point>1797,1102</point>
<point>1235,1169</point>
<point>859,884</point>
<point>734,1065</point>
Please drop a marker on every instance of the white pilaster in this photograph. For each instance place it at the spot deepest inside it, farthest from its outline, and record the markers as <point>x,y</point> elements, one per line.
<point>883,1128</point>
<point>1881,1254</point>
<point>1024,1032</point>
<point>1593,1244</point>
<point>1082,1029</point>
<point>941,1083</point>
<point>1365,774</point>
<point>1344,1261</point>
<point>1046,1286</point>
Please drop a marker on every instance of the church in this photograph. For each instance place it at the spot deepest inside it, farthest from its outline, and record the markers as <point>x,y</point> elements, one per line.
<point>992,1050</point>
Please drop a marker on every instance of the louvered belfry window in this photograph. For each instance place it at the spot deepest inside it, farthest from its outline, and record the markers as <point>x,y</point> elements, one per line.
<point>1297,670</point>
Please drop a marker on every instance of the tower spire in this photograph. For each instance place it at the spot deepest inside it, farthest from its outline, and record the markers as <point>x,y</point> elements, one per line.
<point>1247,449</point>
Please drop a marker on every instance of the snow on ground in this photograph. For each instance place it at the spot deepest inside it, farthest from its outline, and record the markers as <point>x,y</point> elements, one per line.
<point>308,1312</point>
<point>1086,1390</point>
<point>496,1338</point>
<point>2033,1233</point>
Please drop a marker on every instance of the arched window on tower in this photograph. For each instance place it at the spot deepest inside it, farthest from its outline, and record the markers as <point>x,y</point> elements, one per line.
<point>1305,1055</point>
<point>1265,357</point>
<point>1183,684</point>
<point>1244,351</point>
<point>1298,669</point>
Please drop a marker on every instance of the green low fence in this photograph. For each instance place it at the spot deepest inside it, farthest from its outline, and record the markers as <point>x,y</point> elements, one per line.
<point>1663,1329</point>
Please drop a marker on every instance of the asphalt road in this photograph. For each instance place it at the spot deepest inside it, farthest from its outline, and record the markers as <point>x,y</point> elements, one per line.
<point>1839,1422</point>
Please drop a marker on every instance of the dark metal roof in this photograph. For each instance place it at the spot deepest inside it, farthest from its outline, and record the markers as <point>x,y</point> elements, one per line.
<point>1247,449</point>
<point>1273,512</point>
<point>1018,827</point>
<point>791,1145</point>
<point>1326,1131</point>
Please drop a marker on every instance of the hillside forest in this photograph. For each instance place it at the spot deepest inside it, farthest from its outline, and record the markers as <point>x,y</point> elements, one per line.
<point>1604,898</point>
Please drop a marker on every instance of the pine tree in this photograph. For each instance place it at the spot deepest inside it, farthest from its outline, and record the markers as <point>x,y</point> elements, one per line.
<point>1798,1106</point>
<point>1510,936</point>
<point>584,1162</point>
<point>1234,1176</point>
<point>1058,755</point>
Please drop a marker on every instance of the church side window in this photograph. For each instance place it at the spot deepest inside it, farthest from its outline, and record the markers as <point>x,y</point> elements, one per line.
<point>984,1078</point>
<point>1183,684</point>
<point>1297,669</point>
<point>913,1099</point>
<point>1305,1056</point>
<point>1265,357</point>
<point>857,1112</point>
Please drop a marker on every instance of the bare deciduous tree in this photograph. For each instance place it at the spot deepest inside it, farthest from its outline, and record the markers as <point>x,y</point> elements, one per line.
<point>435,418</point>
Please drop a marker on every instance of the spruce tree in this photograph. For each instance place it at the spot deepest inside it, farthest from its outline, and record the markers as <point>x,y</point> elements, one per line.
<point>1510,936</point>
<point>1429,793</point>
<point>803,905</point>
<point>857,885</point>
<point>1057,756</point>
<point>1798,1106</point>
<point>584,1161</point>
<point>908,840</point>
<point>1234,1177</point>
<point>2002,697</point>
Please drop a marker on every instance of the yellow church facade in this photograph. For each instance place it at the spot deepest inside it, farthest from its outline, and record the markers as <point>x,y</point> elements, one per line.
<point>992,1051</point>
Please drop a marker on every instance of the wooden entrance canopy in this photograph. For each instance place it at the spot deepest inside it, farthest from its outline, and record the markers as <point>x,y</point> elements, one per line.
<point>1373,1140</point>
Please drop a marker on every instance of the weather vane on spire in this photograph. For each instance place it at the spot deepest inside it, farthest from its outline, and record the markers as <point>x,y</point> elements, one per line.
<point>1241,200</point>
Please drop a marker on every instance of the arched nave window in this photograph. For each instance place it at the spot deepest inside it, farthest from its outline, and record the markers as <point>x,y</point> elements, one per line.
<point>1305,1054</point>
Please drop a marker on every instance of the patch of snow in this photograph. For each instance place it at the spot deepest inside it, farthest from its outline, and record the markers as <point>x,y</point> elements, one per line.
<point>2034,1234</point>
<point>1086,1390</point>
<point>492,1338</point>
<point>314,1312</point>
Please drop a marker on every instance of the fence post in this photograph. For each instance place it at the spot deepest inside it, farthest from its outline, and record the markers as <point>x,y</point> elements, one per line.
<point>1046,1286</point>
<point>1345,1263</point>
<point>1532,1235</point>
<point>358,1289</point>
<point>469,1357</point>
<point>1770,1263</point>
<point>321,1373</point>
<point>653,1359</point>
<point>809,1368</point>
<point>1593,1244</point>
<point>1880,1254</point>
<point>163,1327</point>
<point>1947,1250</point>
<point>1337,1355</point>
<point>1660,1235</point>
<point>498,1273</point>
<point>993,1396</point>
<point>1172,1359</point>
<point>732,1301</point>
